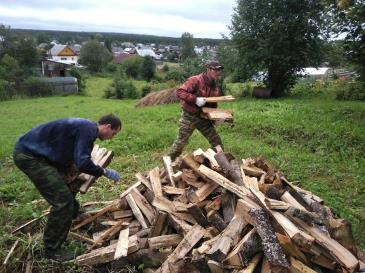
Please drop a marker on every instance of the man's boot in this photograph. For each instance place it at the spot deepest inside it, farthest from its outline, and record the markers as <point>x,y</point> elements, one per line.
<point>60,255</point>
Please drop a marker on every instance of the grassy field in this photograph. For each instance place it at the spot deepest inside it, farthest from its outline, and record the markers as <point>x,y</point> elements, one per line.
<point>317,142</point>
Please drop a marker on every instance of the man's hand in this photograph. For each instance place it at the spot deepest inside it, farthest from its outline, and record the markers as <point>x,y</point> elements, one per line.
<point>200,101</point>
<point>111,174</point>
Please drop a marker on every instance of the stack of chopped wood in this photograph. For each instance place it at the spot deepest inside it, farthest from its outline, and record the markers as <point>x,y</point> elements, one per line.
<point>208,212</point>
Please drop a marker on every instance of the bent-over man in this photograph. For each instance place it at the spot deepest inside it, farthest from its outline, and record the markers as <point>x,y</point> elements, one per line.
<point>46,153</point>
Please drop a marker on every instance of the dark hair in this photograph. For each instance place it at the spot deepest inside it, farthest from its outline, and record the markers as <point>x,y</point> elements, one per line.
<point>111,119</point>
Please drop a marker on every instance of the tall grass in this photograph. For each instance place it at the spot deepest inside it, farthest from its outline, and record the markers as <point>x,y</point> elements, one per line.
<point>319,143</point>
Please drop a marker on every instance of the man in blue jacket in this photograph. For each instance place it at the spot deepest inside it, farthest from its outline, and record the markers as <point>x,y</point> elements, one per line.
<point>46,153</point>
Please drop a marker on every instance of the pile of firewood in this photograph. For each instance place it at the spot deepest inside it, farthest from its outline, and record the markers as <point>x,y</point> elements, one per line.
<point>208,212</point>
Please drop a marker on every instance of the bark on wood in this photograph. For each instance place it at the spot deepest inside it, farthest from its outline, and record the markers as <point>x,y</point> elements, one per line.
<point>232,173</point>
<point>253,264</point>
<point>216,220</point>
<point>108,234</point>
<point>287,197</point>
<point>341,231</point>
<point>198,215</point>
<point>228,205</point>
<point>215,267</point>
<point>200,263</point>
<point>290,248</point>
<point>179,225</point>
<point>298,267</point>
<point>272,249</point>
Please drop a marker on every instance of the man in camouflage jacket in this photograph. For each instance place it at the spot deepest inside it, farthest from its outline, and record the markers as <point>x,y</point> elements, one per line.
<point>193,94</point>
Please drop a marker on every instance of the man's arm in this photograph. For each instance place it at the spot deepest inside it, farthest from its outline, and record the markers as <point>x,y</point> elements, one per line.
<point>187,90</point>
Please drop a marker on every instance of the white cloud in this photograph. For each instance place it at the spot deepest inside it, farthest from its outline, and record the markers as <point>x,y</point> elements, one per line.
<point>202,18</point>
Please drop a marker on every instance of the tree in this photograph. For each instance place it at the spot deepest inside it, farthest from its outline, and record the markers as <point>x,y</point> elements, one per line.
<point>187,46</point>
<point>348,18</point>
<point>132,66</point>
<point>95,56</point>
<point>279,37</point>
<point>148,68</point>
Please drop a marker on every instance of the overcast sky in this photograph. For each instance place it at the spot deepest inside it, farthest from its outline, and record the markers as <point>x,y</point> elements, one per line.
<point>202,18</point>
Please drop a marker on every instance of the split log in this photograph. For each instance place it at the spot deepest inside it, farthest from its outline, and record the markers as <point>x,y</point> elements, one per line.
<point>253,264</point>
<point>136,211</point>
<point>198,155</point>
<point>298,267</point>
<point>118,214</point>
<point>290,248</point>
<point>228,169</point>
<point>167,163</point>
<point>224,182</point>
<point>229,237</point>
<point>189,241</point>
<point>147,257</point>
<point>159,224</point>
<point>228,205</point>
<point>216,220</point>
<point>156,181</point>
<point>102,161</point>
<point>287,197</point>
<point>246,248</point>
<point>304,215</point>
<point>144,206</point>
<point>173,190</point>
<point>144,181</point>
<point>82,238</point>
<point>164,241</point>
<point>215,267</point>
<point>198,215</point>
<point>273,251</point>
<point>200,263</point>
<point>179,225</point>
<point>202,193</point>
<point>342,255</point>
<point>122,245</point>
<point>341,231</point>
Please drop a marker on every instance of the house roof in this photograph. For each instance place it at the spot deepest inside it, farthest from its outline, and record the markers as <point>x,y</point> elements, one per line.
<point>315,71</point>
<point>56,49</point>
<point>146,52</point>
<point>121,56</point>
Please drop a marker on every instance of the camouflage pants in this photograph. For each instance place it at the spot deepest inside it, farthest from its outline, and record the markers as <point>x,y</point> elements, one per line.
<point>53,187</point>
<point>187,124</point>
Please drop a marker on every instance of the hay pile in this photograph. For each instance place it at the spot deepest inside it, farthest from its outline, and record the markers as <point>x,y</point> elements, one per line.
<point>166,96</point>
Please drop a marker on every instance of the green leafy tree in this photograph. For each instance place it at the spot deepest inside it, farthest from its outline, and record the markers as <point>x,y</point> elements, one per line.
<point>132,66</point>
<point>187,46</point>
<point>348,18</point>
<point>95,56</point>
<point>148,68</point>
<point>279,37</point>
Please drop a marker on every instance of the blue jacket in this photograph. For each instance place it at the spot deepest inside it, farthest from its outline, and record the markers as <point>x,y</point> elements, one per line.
<point>63,142</point>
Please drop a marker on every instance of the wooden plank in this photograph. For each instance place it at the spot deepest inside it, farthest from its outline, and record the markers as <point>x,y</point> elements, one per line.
<point>220,99</point>
<point>167,164</point>
<point>189,241</point>
<point>220,116</point>
<point>136,211</point>
<point>122,245</point>
<point>164,241</point>
<point>144,206</point>
<point>97,256</point>
<point>207,110</point>
<point>156,181</point>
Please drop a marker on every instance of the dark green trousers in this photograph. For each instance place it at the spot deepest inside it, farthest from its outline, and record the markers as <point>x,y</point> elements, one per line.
<point>187,124</point>
<point>53,187</point>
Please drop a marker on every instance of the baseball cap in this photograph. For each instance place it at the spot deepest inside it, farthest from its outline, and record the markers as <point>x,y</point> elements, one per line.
<point>214,65</point>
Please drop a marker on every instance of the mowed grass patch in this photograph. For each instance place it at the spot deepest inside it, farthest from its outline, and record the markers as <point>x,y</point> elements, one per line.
<point>317,143</point>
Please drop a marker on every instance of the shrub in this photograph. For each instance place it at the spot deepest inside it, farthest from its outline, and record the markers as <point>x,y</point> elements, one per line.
<point>74,72</point>
<point>7,90</point>
<point>352,90</point>
<point>121,89</point>
<point>34,87</point>
<point>165,68</point>
<point>239,90</point>
<point>145,90</point>
<point>175,75</point>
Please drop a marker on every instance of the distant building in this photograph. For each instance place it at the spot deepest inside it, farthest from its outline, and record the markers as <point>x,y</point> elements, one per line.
<point>323,73</point>
<point>64,54</point>
<point>120,57</point>
<point>146,52</point>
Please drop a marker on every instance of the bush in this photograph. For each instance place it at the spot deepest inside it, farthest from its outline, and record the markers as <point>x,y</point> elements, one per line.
<point>239,90</point>
<point>165,68</point>
<point>350,90</point>
<point>34,87</point>
<point>175,75</point>
<point>74,72</point>
<point>145,90</point>
<point>121,89</point>
<point>7,90</point>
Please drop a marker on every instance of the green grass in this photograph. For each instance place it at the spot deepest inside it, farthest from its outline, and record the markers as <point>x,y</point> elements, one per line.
<point>317,141</point>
